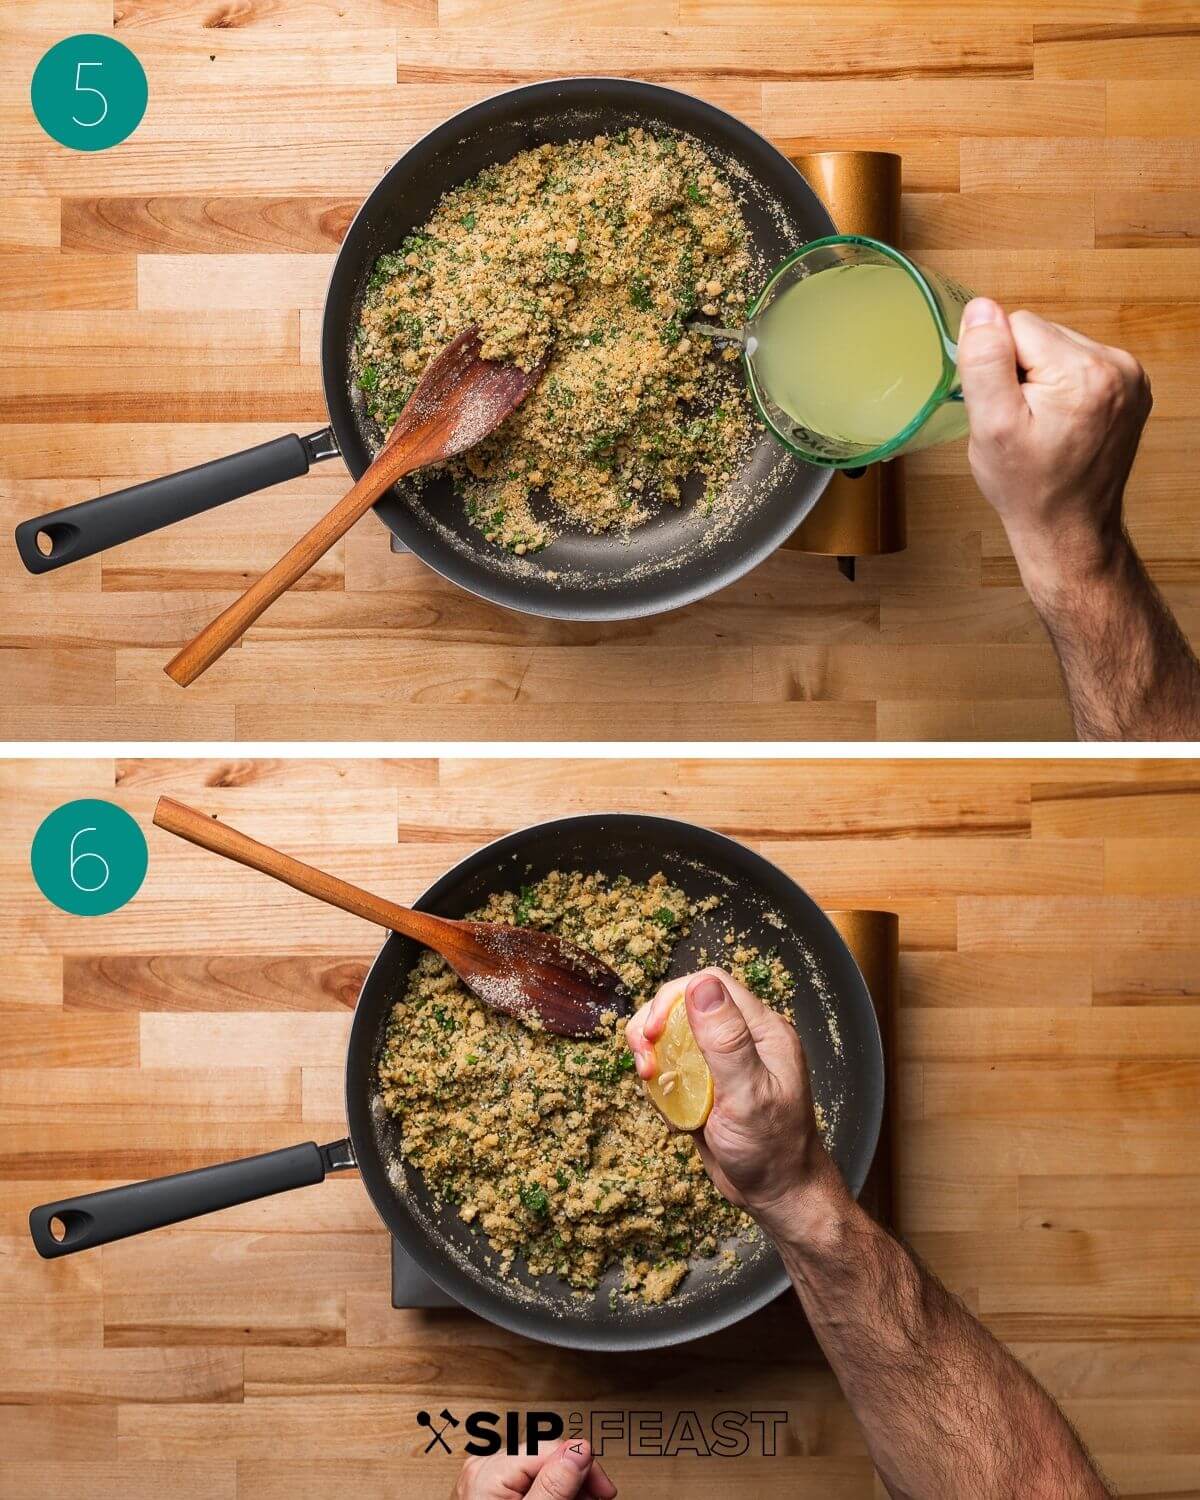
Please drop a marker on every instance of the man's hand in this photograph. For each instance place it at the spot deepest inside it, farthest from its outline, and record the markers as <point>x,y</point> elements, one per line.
<point>558,1474</point>
<point>1052,455</point>
<point>760,1146</point>
<point>944,1409</point>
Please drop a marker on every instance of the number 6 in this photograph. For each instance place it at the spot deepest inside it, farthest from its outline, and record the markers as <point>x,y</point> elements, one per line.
<point>78,859</point>
<point>86,88</point>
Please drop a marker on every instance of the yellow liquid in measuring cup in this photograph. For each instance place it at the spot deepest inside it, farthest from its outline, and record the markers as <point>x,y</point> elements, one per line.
<point>852,352</point>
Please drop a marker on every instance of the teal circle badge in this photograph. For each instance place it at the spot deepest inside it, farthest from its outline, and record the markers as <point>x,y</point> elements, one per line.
<point>89,92</point>
<point>89,857</point>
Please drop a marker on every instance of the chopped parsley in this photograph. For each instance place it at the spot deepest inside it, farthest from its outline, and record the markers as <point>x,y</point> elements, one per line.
<point>760,975</point>
<point>610,1070</point>
<point>639,293</point>
<point>533,1196</point>
<point>527,897</point>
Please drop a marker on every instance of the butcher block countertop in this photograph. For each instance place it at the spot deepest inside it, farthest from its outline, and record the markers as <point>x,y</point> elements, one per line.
<point>1044,1106</point>
<point>160,306</point>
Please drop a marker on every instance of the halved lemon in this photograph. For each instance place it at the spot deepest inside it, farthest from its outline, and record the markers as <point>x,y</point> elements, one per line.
<point>682,1087</point>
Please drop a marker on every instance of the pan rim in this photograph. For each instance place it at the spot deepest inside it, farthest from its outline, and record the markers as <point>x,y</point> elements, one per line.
<point>463,570</point>
<point>509,1316</point>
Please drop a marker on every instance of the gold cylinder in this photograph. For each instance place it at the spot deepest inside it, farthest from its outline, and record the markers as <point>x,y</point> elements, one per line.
<point>861,190</point>
<point>861,516</point>
<point>873,938</point>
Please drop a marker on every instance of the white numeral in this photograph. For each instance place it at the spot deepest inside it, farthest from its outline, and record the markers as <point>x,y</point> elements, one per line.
<point>78,859</point>
<point>86,88</point>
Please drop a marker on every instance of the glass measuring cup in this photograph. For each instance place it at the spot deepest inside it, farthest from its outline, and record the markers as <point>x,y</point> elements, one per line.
<point>941,418</point>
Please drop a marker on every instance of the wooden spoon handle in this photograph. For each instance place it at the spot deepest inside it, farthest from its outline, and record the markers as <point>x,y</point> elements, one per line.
<point>232,623</point>
<point>194,826</point>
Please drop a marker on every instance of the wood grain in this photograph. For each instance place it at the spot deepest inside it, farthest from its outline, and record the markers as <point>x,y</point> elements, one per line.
<point>160,306</point>
<point>1044,1109</point>
<point>1142,51</point>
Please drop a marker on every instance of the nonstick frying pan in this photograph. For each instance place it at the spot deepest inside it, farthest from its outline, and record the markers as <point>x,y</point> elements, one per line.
<point>678,557</point>
<point>834,1017</point>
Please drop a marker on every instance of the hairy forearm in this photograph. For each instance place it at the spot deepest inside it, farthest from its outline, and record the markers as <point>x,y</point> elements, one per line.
<point>945,1409</point>
<point>1129,671</point>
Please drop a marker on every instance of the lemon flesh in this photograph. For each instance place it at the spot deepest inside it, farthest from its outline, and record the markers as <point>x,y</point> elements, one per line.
<point>682,1087</point>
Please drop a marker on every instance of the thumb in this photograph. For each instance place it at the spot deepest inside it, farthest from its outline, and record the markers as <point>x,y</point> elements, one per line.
<point>564,1476</point>
<point>987,366</point>
<point>722,1035</point>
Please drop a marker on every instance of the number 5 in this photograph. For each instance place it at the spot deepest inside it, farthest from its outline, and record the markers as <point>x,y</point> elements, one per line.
<point>86,88</point>
<point>78,859</point>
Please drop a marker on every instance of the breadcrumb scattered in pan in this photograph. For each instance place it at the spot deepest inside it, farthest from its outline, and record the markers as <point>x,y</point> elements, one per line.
<point>591,254</point>
<point>547,1146</point>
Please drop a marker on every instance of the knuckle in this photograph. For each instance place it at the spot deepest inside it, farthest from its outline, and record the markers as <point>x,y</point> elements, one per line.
<point>983,347</point>
<point>741,1125</point>
<point>1103,379</point>
<point>728,1035</point>
<point>1112,383</point>
<point>990,428</point>
<point>1128,364</point>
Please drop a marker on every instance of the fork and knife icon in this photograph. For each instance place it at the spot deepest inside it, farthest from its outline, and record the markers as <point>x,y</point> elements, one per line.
<point>448,1419</point>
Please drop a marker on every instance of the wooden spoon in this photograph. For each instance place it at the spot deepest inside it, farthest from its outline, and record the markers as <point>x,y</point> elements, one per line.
<point>457,402</point>
<point>528,974</point>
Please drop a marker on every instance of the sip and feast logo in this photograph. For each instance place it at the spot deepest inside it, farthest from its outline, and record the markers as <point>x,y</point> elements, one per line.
<point>633,1434</point>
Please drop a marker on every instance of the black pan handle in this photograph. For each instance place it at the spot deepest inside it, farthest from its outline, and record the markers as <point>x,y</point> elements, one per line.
<point>99,1218</point>
<point>78,531</point>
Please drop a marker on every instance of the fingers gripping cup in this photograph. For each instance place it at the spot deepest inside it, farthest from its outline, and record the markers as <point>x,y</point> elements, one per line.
<point>850,353</point>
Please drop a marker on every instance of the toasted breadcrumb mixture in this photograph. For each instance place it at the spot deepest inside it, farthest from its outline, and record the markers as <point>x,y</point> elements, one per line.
<point>547,1144</point>
<point>591,256</point>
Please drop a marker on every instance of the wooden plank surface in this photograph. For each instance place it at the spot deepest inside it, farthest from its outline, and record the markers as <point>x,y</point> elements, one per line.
<point>1043,1099</point>
<point>160,306</point>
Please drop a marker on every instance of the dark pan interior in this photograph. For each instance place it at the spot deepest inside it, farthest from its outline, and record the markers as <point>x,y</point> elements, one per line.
<point>677,557</point>
<point>831,1001</point>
